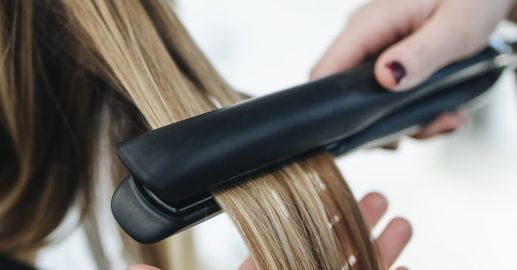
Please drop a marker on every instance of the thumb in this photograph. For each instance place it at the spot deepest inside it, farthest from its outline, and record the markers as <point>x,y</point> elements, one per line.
<point>440,41</point>
<point>371,28</point>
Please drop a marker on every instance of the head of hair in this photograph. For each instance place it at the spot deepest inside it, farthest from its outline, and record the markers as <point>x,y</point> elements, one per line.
<point>76,77</point>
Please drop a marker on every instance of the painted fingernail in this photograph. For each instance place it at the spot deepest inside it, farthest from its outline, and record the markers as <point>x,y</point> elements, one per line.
<point>397,69</point>
<point>449,131</point>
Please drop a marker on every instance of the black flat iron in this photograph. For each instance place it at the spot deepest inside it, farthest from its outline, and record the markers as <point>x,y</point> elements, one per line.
<point>174,168</point>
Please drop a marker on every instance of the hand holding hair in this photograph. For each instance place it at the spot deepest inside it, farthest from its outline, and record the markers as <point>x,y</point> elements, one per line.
<point>391,241</point>
<point>422,36</point>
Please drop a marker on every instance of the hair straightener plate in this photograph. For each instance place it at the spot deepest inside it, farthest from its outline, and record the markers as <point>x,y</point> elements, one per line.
<point>174,168</point>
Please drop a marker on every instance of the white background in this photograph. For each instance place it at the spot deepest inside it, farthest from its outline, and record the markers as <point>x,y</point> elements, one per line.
<point>459,191</point>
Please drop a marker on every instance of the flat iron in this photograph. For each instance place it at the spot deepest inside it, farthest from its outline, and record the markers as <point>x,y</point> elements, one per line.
<point>174,168</point>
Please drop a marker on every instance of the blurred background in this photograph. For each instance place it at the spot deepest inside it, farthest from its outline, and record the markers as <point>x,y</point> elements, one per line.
<point>459,191</point>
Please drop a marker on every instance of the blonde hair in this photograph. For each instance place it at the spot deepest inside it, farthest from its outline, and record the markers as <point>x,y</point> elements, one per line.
<point>149,73</point>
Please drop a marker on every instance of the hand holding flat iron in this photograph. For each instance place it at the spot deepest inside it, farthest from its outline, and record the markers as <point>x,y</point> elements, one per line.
<point>420,37</point>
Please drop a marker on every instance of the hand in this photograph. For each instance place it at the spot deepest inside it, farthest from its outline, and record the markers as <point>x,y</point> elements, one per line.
<point>373,206</point>
<point>391,241</point>
<point>424,35</point>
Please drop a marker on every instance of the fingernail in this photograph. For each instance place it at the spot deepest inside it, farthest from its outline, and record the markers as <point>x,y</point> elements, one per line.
<point>397,70</point>
<point>449,131</point>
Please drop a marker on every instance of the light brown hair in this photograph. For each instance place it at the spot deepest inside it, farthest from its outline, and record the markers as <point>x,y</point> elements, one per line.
<point>70,65</point>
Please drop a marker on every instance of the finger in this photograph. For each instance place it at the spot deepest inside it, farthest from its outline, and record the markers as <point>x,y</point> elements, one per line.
<point>445,123</point>
<point>141,267</point>
<point>401,268</point>
<point>248,264</point>
<point>392,146</point>
<point>385,21</point>
<point>373,206</point>
<point>441,40</point>
<point>393,240</point>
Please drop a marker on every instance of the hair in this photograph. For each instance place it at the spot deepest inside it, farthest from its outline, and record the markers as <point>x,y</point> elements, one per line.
<point>77,77</point>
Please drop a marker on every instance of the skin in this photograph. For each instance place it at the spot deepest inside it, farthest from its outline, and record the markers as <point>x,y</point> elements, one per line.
<point>423,35</point>
<point>373,206</point>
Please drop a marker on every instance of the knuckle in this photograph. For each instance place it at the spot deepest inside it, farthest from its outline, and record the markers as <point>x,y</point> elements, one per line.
<point>464,40</point>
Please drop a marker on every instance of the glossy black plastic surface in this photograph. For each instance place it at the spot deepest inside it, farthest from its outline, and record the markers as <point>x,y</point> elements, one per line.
<point>147,221</point>
<point>174,168</point>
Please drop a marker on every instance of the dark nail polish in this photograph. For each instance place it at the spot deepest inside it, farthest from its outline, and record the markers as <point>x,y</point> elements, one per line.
<point>449,131</point>
<point>397,69</point>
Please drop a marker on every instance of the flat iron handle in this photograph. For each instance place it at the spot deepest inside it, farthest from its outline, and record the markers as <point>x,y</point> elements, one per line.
<point>416,114</point>
<point>196,155</point>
